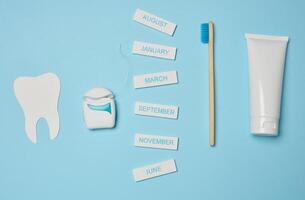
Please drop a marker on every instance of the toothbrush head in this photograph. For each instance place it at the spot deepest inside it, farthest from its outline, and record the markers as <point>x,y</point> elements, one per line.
<point>205,33</point>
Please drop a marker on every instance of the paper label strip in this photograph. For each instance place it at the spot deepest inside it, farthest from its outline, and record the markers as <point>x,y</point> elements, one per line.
<point>156,110</point>
<point>154,22</point>
<point>154,50</point>
<point>155,79</point>
<point>156,141</point>
<point>154,170</point>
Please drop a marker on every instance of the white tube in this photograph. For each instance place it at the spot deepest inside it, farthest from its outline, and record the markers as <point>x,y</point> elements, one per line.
<point>266,68</point>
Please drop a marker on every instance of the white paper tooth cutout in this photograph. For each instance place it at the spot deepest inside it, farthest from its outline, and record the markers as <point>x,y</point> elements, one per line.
<point>38,97</point>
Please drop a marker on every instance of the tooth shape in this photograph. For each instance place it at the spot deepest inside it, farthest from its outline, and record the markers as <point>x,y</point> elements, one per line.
<point>38,97</point>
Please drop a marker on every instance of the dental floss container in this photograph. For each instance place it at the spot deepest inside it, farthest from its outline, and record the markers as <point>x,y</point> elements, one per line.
<point>99,109</point>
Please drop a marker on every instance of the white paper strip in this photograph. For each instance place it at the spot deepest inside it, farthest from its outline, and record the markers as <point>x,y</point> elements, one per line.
<point>154,50</point>
<point>156,141</point>
<point>154,170</point>
<point>154,22</point>
<point>155,79</point>
<point>156,110</point>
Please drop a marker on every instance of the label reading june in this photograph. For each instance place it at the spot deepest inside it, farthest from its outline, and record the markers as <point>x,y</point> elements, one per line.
<point>154,22</point>
<point>156,110</point>
<point>154,170</point>
<point>156,141</point>
<point>154,50</point>
<point>155,79</point>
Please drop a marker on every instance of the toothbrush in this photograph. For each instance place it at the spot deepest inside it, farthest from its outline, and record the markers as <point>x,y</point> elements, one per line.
<point>207,36</point>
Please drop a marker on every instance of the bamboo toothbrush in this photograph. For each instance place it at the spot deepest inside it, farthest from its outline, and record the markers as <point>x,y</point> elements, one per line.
<point>207,36</point>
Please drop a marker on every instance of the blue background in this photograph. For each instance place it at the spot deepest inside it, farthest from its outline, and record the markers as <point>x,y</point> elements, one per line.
<point>88,44</point>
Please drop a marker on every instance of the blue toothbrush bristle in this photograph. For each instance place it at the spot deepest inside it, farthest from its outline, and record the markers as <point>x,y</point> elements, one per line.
<point>205,33</point>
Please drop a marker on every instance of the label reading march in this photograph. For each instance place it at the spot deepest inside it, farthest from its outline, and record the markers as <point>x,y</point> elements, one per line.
<point>155,79</point>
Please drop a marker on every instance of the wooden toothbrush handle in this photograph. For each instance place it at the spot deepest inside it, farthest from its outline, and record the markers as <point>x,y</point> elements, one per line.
<point>211,84</point>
